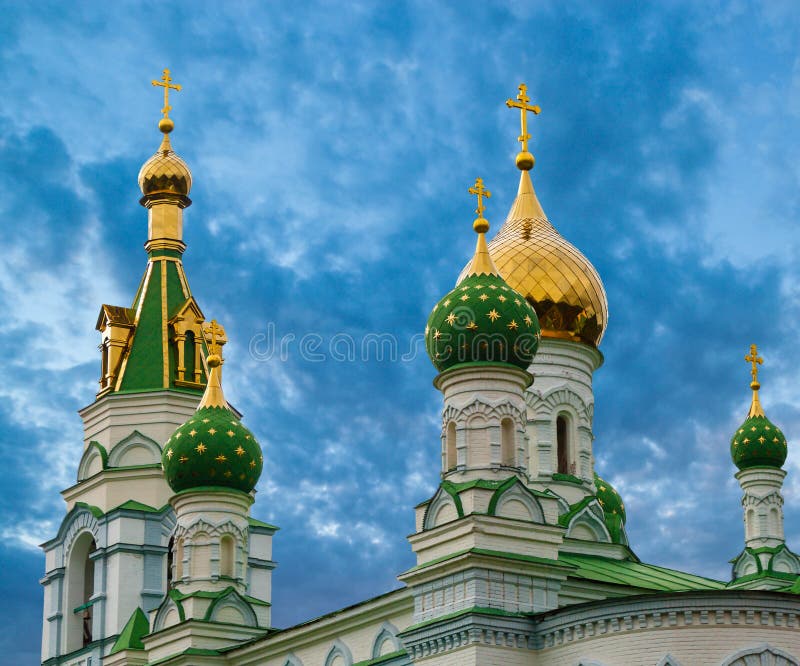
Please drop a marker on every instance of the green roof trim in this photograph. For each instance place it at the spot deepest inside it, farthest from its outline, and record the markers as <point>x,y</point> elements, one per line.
<point>133,505</point>
<point>95,511</point>
<point>568,478</point>
<point>382,659</point>
<point>130,638</point>
<point>198,652</point>
<point>574,509</point>
<point>254,522</point>
<point>636,574</point>
<point>101,450</point>
<point>451,489</point>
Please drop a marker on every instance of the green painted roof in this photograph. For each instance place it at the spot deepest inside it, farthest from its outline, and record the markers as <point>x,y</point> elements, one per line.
<point>135,629</point>
<point>758,443</point>
<point>212,448</point>
<point>485,320</point>
<point>636,574</point>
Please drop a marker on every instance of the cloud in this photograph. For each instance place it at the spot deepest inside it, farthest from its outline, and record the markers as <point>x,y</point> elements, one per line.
<point>331,150</point>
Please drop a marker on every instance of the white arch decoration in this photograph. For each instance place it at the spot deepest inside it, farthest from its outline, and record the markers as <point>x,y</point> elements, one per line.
<point>761,655</point>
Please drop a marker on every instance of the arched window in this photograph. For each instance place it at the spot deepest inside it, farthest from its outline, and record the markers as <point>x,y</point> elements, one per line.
<point>179,560</point>
<point>188,356</point>
<point>226,559</point>
<point>451,455</point>
<point>200,556</point>
<point>170,561</point>
<point>562,444</point>
<point>750,524</point>
<point>507,452</point>
<point>80,589</point>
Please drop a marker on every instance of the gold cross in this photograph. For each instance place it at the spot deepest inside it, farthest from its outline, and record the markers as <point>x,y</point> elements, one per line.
<point>214,332</point>
<point>524,107</point>
<point>480,191</point>
<point>755,360</point>
<point>166,84</point>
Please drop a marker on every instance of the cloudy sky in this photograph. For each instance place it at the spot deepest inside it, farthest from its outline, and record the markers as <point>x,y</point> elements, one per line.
<point>332,145</point>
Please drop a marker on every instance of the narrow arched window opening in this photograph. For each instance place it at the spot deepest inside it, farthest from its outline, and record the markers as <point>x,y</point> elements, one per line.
<point>226,547</point>
<point>188,357</point>
<point>79,593</point>
<point>562,443</point>
<point>451,454</point>
<point>507,453</point>
<point>179,560</point>
<point>170,561</point>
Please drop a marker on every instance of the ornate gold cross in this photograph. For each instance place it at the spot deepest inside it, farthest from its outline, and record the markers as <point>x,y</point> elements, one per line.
<point>214,332</point>
<point>524,107</point>
<point>755,360</point>
<point>480,191</point>
<point>166,84</point>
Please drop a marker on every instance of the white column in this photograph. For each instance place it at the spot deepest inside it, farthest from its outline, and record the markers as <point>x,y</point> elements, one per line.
<point>762,504</point>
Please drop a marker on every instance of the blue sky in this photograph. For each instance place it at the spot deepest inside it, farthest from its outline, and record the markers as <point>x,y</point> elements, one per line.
<point>332,146</point>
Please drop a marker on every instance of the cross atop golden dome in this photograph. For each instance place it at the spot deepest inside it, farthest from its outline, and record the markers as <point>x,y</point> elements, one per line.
<point>525,159</point>
<point>481,263</point>
<point>754,360</point>
<point>165,172</point>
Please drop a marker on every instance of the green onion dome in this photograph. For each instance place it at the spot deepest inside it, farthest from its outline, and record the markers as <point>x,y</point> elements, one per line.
<point>609,498</point>
<point>482,319</point>
<point>212,448</point>
<point>613,509</point>
<point>757,442</point>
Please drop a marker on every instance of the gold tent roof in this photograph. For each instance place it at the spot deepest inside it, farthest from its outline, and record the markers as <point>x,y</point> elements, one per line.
<point>561,284</point>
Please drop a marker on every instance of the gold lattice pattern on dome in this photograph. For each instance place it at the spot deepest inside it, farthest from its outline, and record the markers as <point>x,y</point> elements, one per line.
<point>553,275</point>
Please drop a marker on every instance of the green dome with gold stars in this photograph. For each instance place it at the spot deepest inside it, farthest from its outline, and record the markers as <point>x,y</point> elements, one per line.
<point>609,498</point>
<point>482,319</point>
<point>613,508</point>
<point>757,442</point>
<point>212,448</point>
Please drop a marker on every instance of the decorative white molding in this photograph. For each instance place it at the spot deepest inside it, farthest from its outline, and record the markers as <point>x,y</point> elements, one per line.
<point>588,518</point>
<point>766,654</point>
<point>517,493</point>
<point>135,449</point>
<point>339,649</point>
<point>668,660</point>
<point>386,632</point>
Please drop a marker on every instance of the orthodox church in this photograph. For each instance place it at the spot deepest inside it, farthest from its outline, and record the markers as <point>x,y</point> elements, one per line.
<point>522,556</point>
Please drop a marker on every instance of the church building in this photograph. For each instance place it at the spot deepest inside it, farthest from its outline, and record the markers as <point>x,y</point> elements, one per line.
<point>522,556</point>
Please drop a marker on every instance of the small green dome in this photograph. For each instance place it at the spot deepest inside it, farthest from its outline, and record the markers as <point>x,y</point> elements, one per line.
<point>758,443</point>
<point>609,499</point>
<point>483,319</point>
<point>212,448</point>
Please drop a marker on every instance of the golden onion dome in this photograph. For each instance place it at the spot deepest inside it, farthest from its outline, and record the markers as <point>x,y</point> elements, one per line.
<point>165,172</point>
<point>553,275</point>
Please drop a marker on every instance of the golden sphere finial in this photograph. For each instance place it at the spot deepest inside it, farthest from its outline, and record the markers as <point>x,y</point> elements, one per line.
<point>481,225</point>
<point>214,360</point>
<point>525,161</point>
<point>166,125</point>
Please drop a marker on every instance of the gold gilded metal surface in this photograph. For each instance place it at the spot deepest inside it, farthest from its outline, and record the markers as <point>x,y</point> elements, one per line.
<point>481,263</point>
<point>555,278</point>
<point>166,83</point>
<point>215,338</point>
<point>754,360</point>
<point>165,172</point>
<point>525,160</point>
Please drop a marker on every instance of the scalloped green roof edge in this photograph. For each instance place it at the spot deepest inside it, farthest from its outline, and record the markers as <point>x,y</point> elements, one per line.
<point>97,512</point>
<point>130,638</point>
